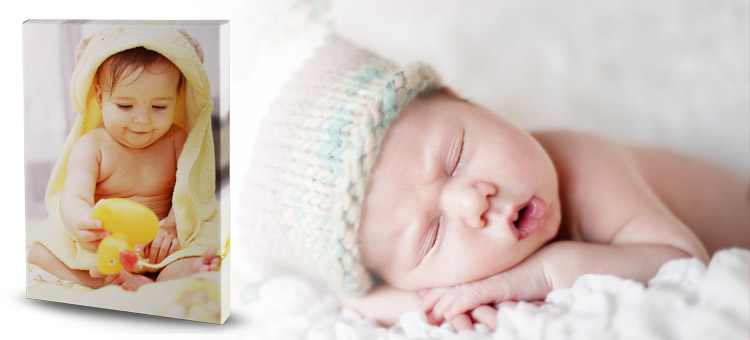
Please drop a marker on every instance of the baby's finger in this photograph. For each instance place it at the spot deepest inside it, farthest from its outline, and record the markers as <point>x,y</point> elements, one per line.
<point>443,303</point>
<point>119,280</point>
<point>90,224</point>
<point>430,297</point>
<point>462,322</point>
<point>463,298</point>
<point>174,246</point>
<point>155,246</point>
<point>214,264</point>
<point>141,249</point>
<point>91,235</point>
<point>486,315</point>
<point>96,274</point>
<point>164,249</point>
<point>109,279</point>
<point>146,249</point>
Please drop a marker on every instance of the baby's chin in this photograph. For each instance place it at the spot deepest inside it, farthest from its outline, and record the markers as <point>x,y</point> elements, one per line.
<point>139,143</point>
<point>136,145</point>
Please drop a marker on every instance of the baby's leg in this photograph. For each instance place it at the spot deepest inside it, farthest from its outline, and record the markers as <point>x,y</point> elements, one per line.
<point>190,265</point>
<point>123,279</point>
<point>42,257</point>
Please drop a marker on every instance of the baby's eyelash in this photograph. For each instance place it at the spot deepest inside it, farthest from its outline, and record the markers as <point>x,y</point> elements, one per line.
<point>459,159</point>
<point>435,234</point>
<point>124,106</point>
<point>429,239</point>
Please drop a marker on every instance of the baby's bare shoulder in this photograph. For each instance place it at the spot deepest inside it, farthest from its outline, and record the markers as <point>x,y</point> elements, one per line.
<point>92,141</point>
<point>599,184</point>
<point>175,134</point>
<point>575,152</point>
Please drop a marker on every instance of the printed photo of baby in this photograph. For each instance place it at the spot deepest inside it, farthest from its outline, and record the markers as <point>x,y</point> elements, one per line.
<point>129,200</point>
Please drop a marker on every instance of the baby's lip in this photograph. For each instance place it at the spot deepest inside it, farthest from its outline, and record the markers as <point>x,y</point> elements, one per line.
<point>138,132</point>
<point>530,221</point>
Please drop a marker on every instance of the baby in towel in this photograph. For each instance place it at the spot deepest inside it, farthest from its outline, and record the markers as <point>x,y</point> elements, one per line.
<point>130,150</point>
<point>366,172</point>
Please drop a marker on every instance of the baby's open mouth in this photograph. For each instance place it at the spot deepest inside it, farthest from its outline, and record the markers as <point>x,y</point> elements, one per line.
<point>529,218</point>
<point>517,221</point>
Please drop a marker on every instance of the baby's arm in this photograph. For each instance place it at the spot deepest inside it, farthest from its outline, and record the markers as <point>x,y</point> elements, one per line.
<point>557,265</point>
<point>166,241</point>
<point>77,197</point>
<point>383,303</point>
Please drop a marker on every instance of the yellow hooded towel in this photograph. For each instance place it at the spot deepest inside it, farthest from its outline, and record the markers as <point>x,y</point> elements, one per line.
<point>193,200</point>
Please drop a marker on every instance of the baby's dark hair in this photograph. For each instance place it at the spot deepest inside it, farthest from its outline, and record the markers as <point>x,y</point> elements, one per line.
<point>123,64</point>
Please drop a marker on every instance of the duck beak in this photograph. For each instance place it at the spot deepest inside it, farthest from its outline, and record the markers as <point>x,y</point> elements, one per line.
<point>128,260</point>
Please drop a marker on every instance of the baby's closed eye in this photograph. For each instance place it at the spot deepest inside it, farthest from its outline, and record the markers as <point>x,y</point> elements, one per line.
<point>429,238</point>
<point>455,154</point>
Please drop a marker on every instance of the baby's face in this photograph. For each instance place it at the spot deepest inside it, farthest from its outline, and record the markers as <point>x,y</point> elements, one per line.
<point>140,108</point>
<point>457,194</point>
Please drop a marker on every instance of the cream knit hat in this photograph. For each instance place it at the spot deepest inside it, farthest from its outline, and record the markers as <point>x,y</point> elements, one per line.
<point>313,158</point>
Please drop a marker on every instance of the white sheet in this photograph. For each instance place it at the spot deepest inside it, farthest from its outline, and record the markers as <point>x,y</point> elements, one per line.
<point>685,300</point>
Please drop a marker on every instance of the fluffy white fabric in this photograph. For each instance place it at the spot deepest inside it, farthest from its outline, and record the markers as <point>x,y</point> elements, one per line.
<point>685,300</point>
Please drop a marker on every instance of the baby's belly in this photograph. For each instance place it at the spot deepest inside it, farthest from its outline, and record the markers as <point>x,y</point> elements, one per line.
<point>159,203</point>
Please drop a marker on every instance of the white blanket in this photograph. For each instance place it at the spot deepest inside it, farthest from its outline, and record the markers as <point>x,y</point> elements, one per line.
<point>685,300</point>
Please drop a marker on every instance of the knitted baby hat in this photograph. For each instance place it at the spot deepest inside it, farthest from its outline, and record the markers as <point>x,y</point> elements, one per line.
<point>313,156</point>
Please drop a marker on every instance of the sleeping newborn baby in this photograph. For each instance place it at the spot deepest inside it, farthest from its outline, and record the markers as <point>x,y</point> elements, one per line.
<point>365,171</point>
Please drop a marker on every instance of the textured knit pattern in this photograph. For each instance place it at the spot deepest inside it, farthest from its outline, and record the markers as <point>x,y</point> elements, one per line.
<point>314,154</point>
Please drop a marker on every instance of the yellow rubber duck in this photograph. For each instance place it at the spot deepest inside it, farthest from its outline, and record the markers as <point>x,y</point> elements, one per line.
<point>129,223</point>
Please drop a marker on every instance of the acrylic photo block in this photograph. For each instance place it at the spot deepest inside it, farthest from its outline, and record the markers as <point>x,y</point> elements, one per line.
<point>127,165</point>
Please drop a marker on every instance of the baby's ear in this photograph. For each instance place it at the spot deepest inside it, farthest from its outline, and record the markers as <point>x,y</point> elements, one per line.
<point>98,91</point>
<point>448,91</point>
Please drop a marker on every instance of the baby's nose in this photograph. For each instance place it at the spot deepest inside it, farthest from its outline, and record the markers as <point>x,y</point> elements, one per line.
<point>468,203</point>
<point>141,117</point>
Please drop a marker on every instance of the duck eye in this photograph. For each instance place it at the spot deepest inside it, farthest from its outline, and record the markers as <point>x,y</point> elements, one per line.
<point>112,262</point>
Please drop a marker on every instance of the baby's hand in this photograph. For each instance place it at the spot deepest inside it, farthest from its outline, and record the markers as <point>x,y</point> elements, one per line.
<point>462,303</point>
<point>526,281</point>
<point>484,314</point>
<point>89,233</point>
<point>164,244</point>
